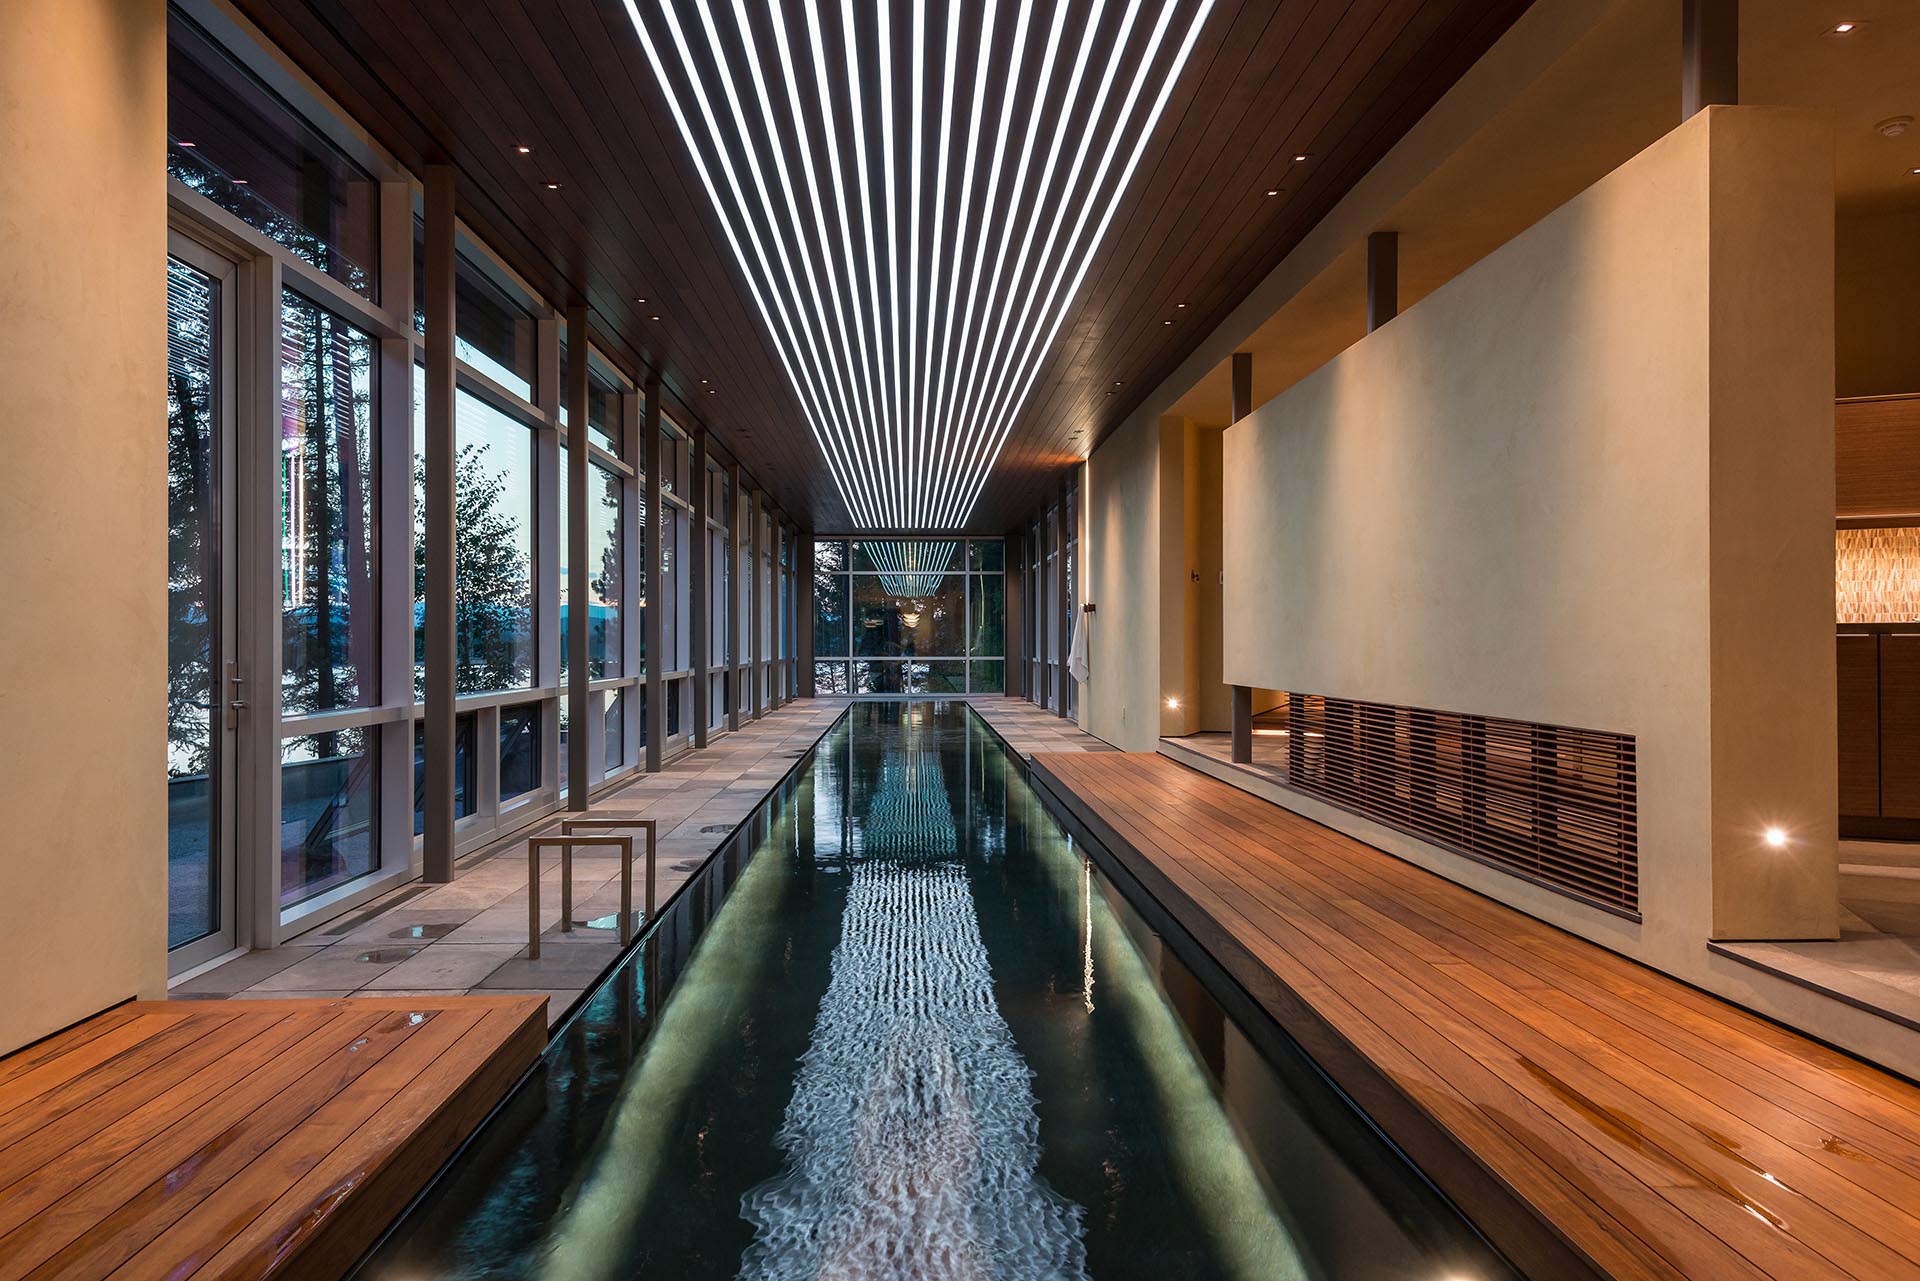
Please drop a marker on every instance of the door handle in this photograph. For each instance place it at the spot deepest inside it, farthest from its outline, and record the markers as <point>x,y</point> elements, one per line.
<point>235,703</point>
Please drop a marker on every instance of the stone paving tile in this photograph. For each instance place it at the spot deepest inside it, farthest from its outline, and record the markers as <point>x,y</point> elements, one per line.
<point>449,967</point>
<point>243,972</point>
<point>484,910</point>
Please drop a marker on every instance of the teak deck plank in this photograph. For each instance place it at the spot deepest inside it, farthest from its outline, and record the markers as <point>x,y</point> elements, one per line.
<point>1654,1129</point>
<point>229,1139</point>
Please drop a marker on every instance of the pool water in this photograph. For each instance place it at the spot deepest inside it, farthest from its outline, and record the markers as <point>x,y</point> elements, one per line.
<point>902,1027</point>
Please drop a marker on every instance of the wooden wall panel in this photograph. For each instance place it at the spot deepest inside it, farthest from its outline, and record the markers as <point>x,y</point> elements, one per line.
<point>1900,724</point>
<point>1859,705</point>
<point>1876,457</point>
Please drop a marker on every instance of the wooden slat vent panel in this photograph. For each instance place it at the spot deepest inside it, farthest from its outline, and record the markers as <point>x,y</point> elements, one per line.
<point>1555,805</point>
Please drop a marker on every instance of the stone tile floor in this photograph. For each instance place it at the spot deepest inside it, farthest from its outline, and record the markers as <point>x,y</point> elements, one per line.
<point>1029,728</point>
<point>1875,963</point>
<point>471,934</point>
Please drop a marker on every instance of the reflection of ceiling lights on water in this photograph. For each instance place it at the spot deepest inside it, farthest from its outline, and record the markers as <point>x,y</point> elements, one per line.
<point>911,569</point>
<point>914,199</point>
<point>911,1138</point>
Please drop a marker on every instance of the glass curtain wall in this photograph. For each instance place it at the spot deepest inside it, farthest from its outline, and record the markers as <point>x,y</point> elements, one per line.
<point>616,667</point>
<point>296,530</point>
<point>196,746</point>
<point>903,617</point>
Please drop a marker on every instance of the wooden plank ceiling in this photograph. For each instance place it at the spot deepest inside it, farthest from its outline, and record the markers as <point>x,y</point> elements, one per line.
<point>1336,80</point>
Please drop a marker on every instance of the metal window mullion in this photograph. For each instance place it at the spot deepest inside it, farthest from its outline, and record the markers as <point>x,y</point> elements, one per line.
<point>547,539</point>
<point>257,644</point>
<point>633,579</point>
<point>656,595</point>
<point>697,591</point>
<point>394,529</point>
<point>438,849</point>
<point>580,779</point>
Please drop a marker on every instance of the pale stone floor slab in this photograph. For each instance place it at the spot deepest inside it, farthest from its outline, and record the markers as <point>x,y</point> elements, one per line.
<point>471,934</point>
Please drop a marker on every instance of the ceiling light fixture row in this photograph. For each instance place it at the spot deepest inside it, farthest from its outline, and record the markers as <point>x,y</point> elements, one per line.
<point>914,251</point>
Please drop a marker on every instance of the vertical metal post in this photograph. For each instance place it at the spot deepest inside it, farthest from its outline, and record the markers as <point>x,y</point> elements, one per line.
<point>1242,724</point>
<point>650,556</point>
<point>1037,694</point>
<point>1242,695</point>
<point>736,628</point>
<point>579,611</point>
<point>699,598</point>
<point>1015,664</point>
<point>437,525</point>
<point>1709,54</point>
<point>1383,280</point>
<point>803,617</point>
<point>1063,636</point>
<point>755,579</point>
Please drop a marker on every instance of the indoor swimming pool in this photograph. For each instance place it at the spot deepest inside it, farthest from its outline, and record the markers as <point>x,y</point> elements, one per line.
<point>902,1026</point>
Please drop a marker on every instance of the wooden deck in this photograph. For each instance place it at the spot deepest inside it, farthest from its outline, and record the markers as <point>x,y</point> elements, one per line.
<point>1650,1129</point>
<point>242,1139</point>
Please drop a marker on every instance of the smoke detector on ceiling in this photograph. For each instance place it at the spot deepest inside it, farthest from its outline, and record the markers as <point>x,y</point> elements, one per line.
<point>1893,126</point>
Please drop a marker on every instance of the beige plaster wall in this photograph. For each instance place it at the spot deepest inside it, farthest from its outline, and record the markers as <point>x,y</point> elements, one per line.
<point>1588,482</point>
<point>82,510</point>
<point>1877,303</point>
<point>1122,548</point>
<point>1179,594</point>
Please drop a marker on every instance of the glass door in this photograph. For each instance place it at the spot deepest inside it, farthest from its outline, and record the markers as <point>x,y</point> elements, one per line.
<point>202,694</point>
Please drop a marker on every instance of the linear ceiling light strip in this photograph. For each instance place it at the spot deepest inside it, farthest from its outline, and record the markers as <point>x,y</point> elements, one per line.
<point>1051,313</point>
<point>866,328</point>
<point>877,368</point>
<point>928,463</point>
<point>784,332</point>
<point>912,377</point>
<point>812,294</point>
<point>963,218</point>
<point>837,361</point>
<point>970,337</point>
<point>1070,196</point>
<point>1045,195</point>
<point>1017,364</point>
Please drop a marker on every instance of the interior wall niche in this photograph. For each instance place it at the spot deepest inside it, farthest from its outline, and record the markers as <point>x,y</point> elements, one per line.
<point>1876,575</point>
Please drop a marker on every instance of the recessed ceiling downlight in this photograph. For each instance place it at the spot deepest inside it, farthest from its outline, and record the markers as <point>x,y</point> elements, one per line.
<point>914,242</point>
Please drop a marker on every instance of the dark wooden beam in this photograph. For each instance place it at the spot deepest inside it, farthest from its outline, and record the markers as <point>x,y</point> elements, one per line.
<point>1709,55</point>
<point>1383,279</point>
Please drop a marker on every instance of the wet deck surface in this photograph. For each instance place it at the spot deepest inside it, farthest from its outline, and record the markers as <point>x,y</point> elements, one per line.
<point>242,1139</point>
<point>1654,1130</point>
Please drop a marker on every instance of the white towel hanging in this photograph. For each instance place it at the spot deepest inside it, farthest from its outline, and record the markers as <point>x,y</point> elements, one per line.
<point>1077,651</point>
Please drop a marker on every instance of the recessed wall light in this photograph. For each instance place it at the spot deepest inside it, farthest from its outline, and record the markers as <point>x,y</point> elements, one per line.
<point>653,317</point>
<point>1173,704</point>
<point>1166,322</point>
<point>1842,28</point>
<point>524,150</point>
<point>640,300</point>
<point>1777,837</point>
<point>1180,306</point>
<point>1297,159</point>
<point>553,186</point>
